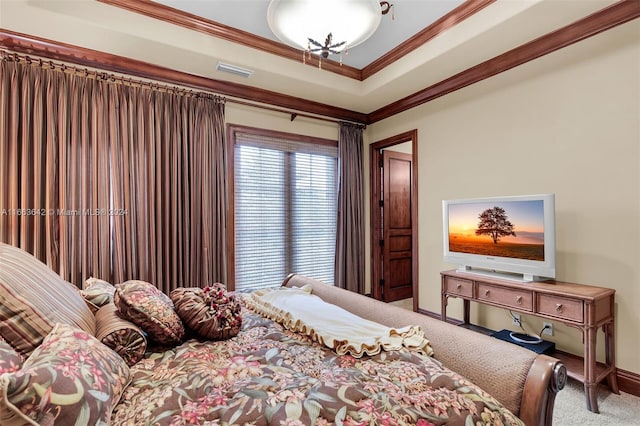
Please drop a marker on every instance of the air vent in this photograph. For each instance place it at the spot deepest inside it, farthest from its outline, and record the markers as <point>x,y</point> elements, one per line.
<point>232,69</point>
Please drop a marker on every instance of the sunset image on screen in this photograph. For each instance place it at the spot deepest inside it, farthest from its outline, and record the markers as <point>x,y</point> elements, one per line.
<point>507,229</point>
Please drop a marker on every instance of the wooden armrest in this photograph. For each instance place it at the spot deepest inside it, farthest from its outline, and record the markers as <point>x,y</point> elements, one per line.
<point>546,378</point>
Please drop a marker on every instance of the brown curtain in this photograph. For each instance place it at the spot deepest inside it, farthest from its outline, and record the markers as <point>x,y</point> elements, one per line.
<point>349,272</point>
<point>109,179</point>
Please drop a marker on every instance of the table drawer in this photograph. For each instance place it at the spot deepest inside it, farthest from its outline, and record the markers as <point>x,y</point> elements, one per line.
<point>561,307</point>
<point>458,286</point>
<point>519,299</point>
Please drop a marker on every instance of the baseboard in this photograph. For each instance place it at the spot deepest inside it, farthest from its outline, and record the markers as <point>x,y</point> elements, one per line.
<point>438,316</point>
<point>628,381</point>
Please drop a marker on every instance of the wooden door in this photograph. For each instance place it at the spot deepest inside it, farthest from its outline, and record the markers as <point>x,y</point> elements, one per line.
<point>397,261</point>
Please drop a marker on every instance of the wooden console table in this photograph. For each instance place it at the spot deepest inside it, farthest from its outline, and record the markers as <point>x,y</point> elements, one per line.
<point>581,306</point>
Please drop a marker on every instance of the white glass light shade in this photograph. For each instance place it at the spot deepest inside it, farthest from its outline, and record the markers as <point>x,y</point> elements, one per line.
<point>349,21</point>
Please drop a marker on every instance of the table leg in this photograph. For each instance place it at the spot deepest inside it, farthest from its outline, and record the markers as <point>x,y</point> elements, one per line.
<point>590,385</point>
<point>466,306</point>
<point>591,395</point>
<point>443,307</point>
<point>610,354</point>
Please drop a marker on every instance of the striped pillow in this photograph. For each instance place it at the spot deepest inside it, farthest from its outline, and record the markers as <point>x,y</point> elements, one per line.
<point>33,298</point>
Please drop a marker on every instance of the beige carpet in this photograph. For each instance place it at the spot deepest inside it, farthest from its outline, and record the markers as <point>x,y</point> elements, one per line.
<point>615,410</point>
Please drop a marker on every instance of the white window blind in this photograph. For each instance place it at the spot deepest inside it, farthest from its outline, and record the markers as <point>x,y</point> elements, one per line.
<point>285,210</point>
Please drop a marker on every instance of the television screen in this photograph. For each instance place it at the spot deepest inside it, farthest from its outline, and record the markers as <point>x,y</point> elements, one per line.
<point>502,234</point>
<point>507,229</point>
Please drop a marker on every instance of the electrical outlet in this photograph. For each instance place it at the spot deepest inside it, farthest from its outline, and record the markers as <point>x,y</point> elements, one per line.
<point>515,319</point>
<point>548,328</point>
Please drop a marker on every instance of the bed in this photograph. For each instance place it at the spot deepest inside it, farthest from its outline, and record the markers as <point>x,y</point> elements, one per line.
<point>275,368</point>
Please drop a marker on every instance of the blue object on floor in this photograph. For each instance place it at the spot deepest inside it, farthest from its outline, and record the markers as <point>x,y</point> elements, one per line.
<point>543,347</point>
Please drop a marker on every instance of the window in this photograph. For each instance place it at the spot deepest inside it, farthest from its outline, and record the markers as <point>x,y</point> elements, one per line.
<point>285,194</point>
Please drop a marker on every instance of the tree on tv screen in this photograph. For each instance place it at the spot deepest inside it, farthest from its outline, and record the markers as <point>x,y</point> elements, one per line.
<point>495,223</point>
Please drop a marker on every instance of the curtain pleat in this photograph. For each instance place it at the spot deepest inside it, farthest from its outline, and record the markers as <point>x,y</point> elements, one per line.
<point>349,272</point>
<point>110,180</point>
<point>53,151</point>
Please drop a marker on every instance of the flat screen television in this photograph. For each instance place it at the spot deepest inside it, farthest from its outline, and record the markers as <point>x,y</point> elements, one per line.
<point>509,237</point>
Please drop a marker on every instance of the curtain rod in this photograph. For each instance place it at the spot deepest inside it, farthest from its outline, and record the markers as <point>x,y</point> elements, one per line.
<point>98,74</point>
<point>294,114</point>
<point>154,85</point>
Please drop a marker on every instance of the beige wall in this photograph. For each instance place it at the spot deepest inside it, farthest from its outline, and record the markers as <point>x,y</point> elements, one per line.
<point>567,123</point>
<point>273,120</point>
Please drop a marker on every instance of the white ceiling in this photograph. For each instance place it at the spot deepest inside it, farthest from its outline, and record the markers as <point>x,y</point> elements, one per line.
<point>497,28</point>
<point>407,17</point>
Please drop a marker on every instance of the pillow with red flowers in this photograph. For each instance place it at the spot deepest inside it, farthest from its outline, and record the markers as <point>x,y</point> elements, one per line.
<point>211,312</point>
<point>10,360</point>
<point>70,376</point>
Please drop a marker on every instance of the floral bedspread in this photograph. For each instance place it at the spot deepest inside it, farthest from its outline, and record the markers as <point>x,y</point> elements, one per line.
<point>267,375</point>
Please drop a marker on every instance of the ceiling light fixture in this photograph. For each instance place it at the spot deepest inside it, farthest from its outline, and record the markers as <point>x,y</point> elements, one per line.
<point>341,24</point>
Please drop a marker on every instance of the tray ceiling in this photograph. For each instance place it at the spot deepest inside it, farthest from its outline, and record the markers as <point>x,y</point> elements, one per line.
<point>192,36</point>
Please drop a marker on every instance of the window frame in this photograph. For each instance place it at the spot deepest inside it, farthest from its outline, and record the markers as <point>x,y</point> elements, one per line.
<point>231,140</point>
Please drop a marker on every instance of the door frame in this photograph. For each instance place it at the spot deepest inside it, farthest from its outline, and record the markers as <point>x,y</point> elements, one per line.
<point>374,203</point>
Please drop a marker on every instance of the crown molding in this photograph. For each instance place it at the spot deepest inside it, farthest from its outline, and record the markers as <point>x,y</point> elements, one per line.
<point>459,14</point>
<point>216,29</point>
<point>603,20</point>
<point>31,45</point>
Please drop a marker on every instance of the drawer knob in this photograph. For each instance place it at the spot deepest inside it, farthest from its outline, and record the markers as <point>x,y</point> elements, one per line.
<point>486,292</point>
<point>459,286</point>
<point>519,300</point>
<point>559,307</point>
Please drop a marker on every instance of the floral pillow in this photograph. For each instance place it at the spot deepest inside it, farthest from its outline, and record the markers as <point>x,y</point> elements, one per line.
<point>150,309</point>
<point>97,293</point>
<point>123,336</point>
<point>212,312</point>
<point>71,378</point>
<point>10,360</point>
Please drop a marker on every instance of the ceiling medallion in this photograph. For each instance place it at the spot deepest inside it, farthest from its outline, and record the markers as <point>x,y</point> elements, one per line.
<point>342,24</point>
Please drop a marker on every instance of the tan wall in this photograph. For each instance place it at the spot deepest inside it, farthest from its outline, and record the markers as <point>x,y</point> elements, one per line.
<point>567,123</point>
<point>405,148</point>
<point>281,122</point>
